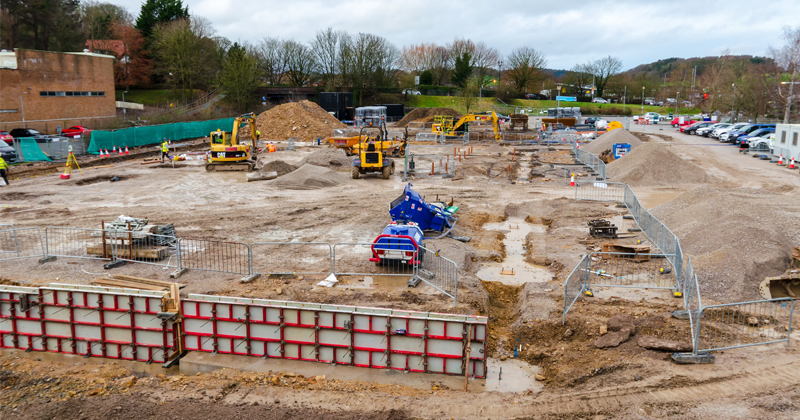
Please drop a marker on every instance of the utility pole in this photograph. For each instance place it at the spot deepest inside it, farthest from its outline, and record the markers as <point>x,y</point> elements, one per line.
<point>624,97</point>
<point>642,100</point>
<point>733,109</point>
<point>22,107</point>
<point>677,99</point>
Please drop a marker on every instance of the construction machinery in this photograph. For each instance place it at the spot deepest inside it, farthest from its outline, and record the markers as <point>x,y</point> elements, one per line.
<point>785,285</point>
<point>398,244</point>
<point>445,125</point>
<point>393,146</point>
<point>371,156</point>
<point>411,207</point>
<point>229,152</point>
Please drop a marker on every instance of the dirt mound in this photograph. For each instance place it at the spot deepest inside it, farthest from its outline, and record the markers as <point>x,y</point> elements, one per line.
<point>654,164</point>
<point>279,166</point>
<point>427,114</point>
<point>302,120</point>
<point>309,177</point>
<point>328,157</point>
<point>607,140</point>
<point>748,240</point>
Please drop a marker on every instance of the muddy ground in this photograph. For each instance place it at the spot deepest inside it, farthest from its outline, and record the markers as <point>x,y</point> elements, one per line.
<point>497,189</point>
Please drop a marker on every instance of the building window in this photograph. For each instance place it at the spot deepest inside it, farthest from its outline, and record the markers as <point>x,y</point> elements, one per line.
<point>794,139</point>
<point>783,137</point>
<point>71,93</point>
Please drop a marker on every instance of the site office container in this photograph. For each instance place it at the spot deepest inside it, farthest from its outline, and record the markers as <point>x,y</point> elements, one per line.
<point>787,136</point>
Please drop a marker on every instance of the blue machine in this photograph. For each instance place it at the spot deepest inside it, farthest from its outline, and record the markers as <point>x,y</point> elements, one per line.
<point>621,149</point>
<point>411,207</point>
<point>399,242</point>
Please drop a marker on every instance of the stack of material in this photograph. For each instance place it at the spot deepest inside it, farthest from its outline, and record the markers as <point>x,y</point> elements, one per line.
<point>131,282</point>
<point>427,114</point>
<point>309,177</point>
<point>302,120</point>
<point>607,140</point>
<point>653,164</point>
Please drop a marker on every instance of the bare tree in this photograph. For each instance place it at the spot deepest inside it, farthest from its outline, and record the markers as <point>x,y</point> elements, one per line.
<point>603,70</point>
<point>325,46</point>
<point>271,62</point>
<point>525,67</point>
<point>300,62</point>
<point>185,52</point>
<point>577,79</point>
<point>367,60</point>
<point>787,58</point>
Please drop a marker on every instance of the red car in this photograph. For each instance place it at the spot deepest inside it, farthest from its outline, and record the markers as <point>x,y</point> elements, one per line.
<point>75,131</point>
<point>6,137</point>
<point>676,122</point>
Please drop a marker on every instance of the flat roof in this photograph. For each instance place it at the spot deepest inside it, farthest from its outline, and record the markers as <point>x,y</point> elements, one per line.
<point>8,59</point>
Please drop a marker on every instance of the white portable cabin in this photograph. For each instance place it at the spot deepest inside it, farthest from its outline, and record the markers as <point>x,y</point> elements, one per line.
<point>787,141</point>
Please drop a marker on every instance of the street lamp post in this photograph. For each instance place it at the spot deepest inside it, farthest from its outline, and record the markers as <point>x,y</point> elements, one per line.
<point>624,96</point>
<point>733,108</point>
<point>124,109</point>
<point>677,101</point>
<point>22,107</point>
<point>642,100</point>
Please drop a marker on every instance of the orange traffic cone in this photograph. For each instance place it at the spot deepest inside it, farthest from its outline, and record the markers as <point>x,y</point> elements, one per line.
<point>126,150</point>
<point>791,165</point>
<point>577,145</point>
<point>780,161</point>
<point>571,180</point>
<point>120,151</point>
<point>107,155</point>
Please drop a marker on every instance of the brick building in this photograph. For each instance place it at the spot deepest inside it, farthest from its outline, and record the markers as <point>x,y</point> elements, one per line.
<point>47,89</point>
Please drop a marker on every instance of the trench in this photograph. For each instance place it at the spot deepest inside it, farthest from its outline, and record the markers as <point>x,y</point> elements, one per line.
<point>515,268</point>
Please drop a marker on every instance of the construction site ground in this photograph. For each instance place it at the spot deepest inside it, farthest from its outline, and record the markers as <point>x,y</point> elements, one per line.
<point>520,215</point>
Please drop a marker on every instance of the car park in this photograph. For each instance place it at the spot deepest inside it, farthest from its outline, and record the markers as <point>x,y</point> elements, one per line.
<point>723,134</point>
<point>733,136</point>
<point>694,127</point>
<point>744,140</point>
<point>706,131</point>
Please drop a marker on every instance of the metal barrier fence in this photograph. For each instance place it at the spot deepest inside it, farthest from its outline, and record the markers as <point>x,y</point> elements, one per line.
<point>368,259</point>
<point>600,191</point>
<point>428,165</point>
<point>21,243</point>
<point>210,255</point>
<point>439,272</point>
<point>562,138</point>
<point>146,248</point>
<point>427,137</point>
<point>304,258</point>
<point>575,286</point>
<point>590,160</point>
<point>743,324</point>
<point>655,231</point>
<point>65,242</point>
<point>641,271</point>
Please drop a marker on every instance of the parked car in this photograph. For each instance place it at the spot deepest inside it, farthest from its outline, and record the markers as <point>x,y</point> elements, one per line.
<point>4,136</point>
<point>706,131</point>
<point>722,135</point>
<point>744,140</point>
<point>694,127</point>
<point>75,131</point>
<point>599,101</point>
<point>733,136</point>
<point>686,121</point>
<point>28,132</point>
<point>651,115</point>
<point>760,143</point>
<point>7,152</point>
<point>591,120</point>
<point>686,127</point>
<point>411,92</point>
<point>535,96</point>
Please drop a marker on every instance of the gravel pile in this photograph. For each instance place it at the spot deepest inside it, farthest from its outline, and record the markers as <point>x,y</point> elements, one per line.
<point>334,158</point>
<point>736,237</point>
<point>653,164</point>
<point>607,140</point>
<point>279,166</point>
<point>309,177</point>
<point>302,120</point>
<point>427,114</point>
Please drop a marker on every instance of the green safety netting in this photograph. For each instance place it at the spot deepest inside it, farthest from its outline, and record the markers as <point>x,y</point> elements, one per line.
<point>31,151</point>
<point>141,136</point>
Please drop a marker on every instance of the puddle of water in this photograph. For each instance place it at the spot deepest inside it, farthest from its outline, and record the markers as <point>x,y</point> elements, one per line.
<point>517,376</point>
<point>514,270</point>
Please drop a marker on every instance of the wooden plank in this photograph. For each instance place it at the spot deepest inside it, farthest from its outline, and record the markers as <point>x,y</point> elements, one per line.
<point>156,253</point>
<point>127,285</point>
<point>152,282</point>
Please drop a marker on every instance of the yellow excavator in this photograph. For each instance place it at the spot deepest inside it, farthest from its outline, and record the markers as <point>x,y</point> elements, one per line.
<point>447,127</point>
<point>228,152</point>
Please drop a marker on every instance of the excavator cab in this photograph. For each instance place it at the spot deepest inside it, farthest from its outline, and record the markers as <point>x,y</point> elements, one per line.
<point>228,153</point>
<point>371,155</point>
<point>445,125</point>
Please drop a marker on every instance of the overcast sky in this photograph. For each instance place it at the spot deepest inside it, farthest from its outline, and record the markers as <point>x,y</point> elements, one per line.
<point>568,32</point>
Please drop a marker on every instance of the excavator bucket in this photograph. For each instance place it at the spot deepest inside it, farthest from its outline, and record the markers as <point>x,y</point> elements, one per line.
<point>785,285</point>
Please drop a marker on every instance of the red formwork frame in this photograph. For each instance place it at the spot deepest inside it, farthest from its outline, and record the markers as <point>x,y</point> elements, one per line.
<point>91,325</point>
<point>346,335</point>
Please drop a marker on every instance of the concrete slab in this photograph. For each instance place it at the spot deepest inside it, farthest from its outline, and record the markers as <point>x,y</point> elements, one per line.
<point>200,362</point>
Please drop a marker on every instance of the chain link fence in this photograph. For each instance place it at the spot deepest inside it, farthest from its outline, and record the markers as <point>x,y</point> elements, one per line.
<point>743,324</point>
<point>613,192</point>
<point>211,255</point>
<point>63,242</point>
<point>575,286</point>
<point>439,272</point>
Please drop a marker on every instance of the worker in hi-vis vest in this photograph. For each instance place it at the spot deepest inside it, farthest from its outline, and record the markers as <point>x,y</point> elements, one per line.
<point>3,170</point>
<point>164,150</point>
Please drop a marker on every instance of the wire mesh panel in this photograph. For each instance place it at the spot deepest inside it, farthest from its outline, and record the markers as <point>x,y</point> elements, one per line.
<point>65,242</point>
<point>575,285</point>
<point>644,271</point>
<point>210,255</point>
<point>292,257</point>
<point>613,192</point>
<point>147,248</point>
<point>389,259</point>
<point>744,324</point>
<point>427,137</point>
<point>21,243</point>
<point>438,272</point>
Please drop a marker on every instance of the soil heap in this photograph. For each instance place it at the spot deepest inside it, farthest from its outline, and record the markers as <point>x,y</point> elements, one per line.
<point>654,164</point>
<point>427,114</point>
<point>607,140</point>
<point>309,177</point>
<point>334,158</point>
<point>735,237</point>
<point>302,120</point>
<point>279,166</point>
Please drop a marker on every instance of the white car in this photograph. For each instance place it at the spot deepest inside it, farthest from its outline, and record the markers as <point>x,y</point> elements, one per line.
<point>706,131</point>
<point>599,101</point>
<point>411,92</point>
<point>761,143</point>
<point>656,115</point>
<point>723,135</point>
